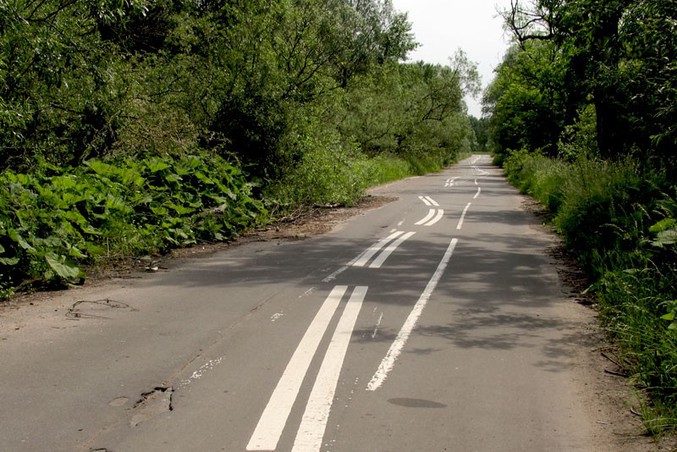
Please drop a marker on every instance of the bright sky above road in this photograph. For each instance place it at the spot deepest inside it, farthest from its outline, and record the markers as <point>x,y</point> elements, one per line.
<point>442,26</point>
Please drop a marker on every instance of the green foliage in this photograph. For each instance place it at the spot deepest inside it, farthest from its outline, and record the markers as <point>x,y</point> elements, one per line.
<point>585,65</point>
<point>330,172</point>
<point>55,221</point>
<point>107,106</point>
<point>621,222</point>
<point>527,101</point>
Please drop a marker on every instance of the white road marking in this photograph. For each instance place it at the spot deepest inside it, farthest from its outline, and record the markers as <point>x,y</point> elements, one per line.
<point>196,375</point>
<point>389,249</point>
<point>363,258</point>
<point>481,172</point>
<point>430,219</point>
<point>388,361</point>
<point>450,182</point>
<point>425,201</point>
<point>314,421</point>
<point>460,222</point>
<point>274,417</point>
<point>431,213</point>
<point>438,217</point>
<point>307,292</point>
<point>479,190</point>
<point>432,201</point>
<point>276,316</point>
<point>476,182</point>
<point>400,223</point>
<point>378,325</point>
<point>333,276</point>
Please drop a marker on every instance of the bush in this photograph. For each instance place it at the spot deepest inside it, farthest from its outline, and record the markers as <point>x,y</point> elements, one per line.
<point>621,221</point>
<point>56,220</point>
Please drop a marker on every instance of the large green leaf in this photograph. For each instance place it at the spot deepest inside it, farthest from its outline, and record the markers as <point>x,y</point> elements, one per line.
<point>62,267</point>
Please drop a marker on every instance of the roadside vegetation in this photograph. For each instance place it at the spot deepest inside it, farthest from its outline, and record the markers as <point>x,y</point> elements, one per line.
<point>129,127</point>
<point>583,115</point>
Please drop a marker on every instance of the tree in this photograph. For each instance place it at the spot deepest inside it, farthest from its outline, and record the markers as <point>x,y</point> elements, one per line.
<point>618,55</point>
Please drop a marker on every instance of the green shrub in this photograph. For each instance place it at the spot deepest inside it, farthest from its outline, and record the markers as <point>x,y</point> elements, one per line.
<point>54,221</point>
<point>621,221</point>
<point>330,172</point>
<point>387,169</point>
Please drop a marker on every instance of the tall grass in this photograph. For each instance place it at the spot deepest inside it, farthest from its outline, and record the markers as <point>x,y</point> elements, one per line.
<point>620,220</point>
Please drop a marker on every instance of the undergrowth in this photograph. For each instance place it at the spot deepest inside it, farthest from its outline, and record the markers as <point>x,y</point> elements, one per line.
<point>56,220</point>
<point>621,221</point>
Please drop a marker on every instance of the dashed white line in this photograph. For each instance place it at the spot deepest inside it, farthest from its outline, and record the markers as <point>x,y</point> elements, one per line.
<point>378,325</point>
<point>460,222</point>
<point>479,190</point>
<point>395,350</point>
<point>314,421</point>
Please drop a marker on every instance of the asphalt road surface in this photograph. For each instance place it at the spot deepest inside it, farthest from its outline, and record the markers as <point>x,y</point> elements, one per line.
<point>433,323</point>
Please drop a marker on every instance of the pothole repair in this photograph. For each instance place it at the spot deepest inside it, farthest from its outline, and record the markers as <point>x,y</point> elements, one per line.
<point>94,309</point>
<point>152,403</point>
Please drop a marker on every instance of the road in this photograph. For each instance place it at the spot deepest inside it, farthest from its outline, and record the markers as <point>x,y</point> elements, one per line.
<point>435,322</point>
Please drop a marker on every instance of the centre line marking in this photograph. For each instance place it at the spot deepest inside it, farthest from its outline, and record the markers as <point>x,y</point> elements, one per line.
<point>314,421</point>
<point>479,190</point>
<point>274,417</point>
<point>460,222</point>
<point>388,361</point>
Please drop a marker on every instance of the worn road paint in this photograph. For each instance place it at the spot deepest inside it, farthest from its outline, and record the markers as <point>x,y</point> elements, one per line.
<point>479,190</point>
<point>378,325</point>
<point>388,361</point>
<point>450,182</point>
<point>465,211</point>
<point>428,201</point>
<point>314,421</point>
<point>363,258</point>
<point>428,217</point>
<point>274,417</point>
<point>433,216</point>
<point>389,249</point>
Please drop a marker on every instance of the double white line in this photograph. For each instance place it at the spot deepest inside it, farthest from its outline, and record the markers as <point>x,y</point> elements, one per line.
<point>450,182</point>
<point>388,244</point>
<point>433,216</point>
<point>314,422</point>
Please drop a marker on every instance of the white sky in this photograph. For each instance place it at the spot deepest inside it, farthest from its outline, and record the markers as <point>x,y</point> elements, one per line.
<point>442,26</point>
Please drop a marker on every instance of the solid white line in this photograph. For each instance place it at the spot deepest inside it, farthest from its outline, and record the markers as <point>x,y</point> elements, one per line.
<point>425,200</point>
<point>363,258</point>
<point>440,214</point>
<point>274,417</point>
<point>388,361</point>
<point>432,201</point>
<point>386,252</point>
<point>479,190</point>
<point>460,222</point>
<point>431,213</point>
<point>314,421</point>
